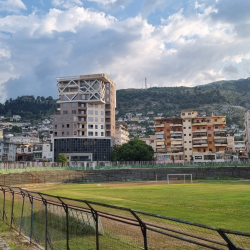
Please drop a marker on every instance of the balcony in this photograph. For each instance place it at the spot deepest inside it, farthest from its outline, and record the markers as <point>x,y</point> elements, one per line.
<point>176,138</point>
<point>175,132</point>
<point>202,145</point>
<point>199,123</point>
<point>200,131</point>
<point>159,125</point>
<point>220,144</point>
<point>220,123</point>
<point>199,138</point>
<point>175,124</point>
<point>220,130</point>
<point>160,146</point>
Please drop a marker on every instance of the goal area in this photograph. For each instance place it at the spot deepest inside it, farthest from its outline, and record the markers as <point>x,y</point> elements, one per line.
<point>179,178</point>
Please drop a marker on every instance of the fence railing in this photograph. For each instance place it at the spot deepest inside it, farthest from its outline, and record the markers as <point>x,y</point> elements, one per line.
<point>53,222</point>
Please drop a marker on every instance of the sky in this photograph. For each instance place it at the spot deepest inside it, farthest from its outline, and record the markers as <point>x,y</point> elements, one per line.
<point>169,42</point>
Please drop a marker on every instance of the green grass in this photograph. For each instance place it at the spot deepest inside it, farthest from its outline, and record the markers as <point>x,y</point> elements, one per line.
<point>219,203</point>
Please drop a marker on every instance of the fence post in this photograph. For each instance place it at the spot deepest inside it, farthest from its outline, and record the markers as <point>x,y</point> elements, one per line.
<point>12,208</point>
<point>230,244</point>
<point>143,229</point>
<point>96,218</point>
<point>3,203</point>
<point>21,222</point>
<point>66,209</point>
<point>31,216</point>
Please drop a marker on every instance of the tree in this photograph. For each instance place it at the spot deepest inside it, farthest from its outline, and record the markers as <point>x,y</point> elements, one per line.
<point>62,158</point>
<point>134,150</point>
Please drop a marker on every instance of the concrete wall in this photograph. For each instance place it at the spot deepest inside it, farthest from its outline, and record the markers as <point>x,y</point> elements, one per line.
<point>81,176</point>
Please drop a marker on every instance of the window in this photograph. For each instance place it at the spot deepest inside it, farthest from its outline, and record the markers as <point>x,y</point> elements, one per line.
<point>107,99</point>
<point>96,119</point>
<point>65,98</point>
<point>55,133</point>
<point>184,134</point>
<point>90,133</point>
<point>107,84</point>
<point>189,134</point>
<point>74,111</point>
<point>55,119</point>
<point>183,114</point>
<point>90,126</point>
<point>82,105</point>
<point>96,112</point>
<point>185,156</point>
<point>189,141</point>
<point>102,127</point>
<point>102,106</point>
<point>96,105</point>
<point>185,142</point>
<point>189,127</point>
<point>90,119</point>
<point>90,112</point>
<point>96,126</point>
<point>67,132</point>
<point>184,127</point>
<point>101,112</point>
<point>62,133</point>
<point>209,128</point>
<point>82,119</point>
<point>65,105</point>
<point>189,120</point>
<point>216,127</point>
<point>101,133</point>
<point>189,113</point>
<point>74,104</point>
<point>55,126</point>
<point>90,105</point>
<point>102,119</point>
<point>74,125</point>
<point>67,118</point>
<point>185,149</point>
<point>204,150</point>
<point>67,125</point>
<point>62,118</point>
<point>198,127</point>
<point>108,91</point>
<point>74,132</point>
<point>209,142</point>
<point>75,118</point>
<point>96,133</point>
<point>190,149</point>
<point>209,135</point>
<point>85,97</point>
<point>65,112</point>
<point>62,125</point>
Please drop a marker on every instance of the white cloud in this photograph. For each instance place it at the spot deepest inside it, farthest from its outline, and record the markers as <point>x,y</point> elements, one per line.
<point>12,5</point>
<point>66,3</point>
<point>182,50</point>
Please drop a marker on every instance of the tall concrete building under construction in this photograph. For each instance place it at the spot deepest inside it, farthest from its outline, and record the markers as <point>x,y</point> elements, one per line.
<point>85,128</point>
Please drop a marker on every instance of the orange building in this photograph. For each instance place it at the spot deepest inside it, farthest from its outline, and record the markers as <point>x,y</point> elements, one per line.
<point>201,139</point>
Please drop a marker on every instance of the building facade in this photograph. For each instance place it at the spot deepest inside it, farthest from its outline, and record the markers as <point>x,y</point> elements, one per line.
<point>86,119</point>
<point>190,138</point>
<point>121,134</point>
<point>7,151</point>
<point>247,133</point>
<point>42,152</point>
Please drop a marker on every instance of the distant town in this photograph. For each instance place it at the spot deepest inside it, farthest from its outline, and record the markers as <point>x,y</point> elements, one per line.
<point>87,126</point>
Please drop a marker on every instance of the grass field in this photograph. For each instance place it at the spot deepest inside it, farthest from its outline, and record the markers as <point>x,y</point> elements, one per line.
<point>219,203</point>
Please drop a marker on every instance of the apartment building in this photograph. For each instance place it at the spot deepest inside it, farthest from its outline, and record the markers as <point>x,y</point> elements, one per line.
<point>7,151</point>
<point>121,134</point>
<point>190,138</point>
<point>169,140</point>
<point>247,133</point>
<point>43,152</point>
<point>85,128</point>
<point>151,141</point>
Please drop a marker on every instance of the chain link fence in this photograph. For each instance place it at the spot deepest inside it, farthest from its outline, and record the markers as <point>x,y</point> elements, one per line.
<point>52,222</point>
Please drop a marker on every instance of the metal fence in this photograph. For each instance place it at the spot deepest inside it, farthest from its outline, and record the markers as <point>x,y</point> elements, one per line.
<point>52,222</point>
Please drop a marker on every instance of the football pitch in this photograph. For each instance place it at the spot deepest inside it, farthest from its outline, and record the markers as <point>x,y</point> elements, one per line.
<point>219,203</point>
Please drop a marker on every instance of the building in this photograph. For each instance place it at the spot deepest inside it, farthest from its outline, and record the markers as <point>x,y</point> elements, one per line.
<point>85,128</point>
<point>7,151</point>
<point>24,139</point>
<point>150,141</point>
<point>247,133</point>
<point>121,134</point>
<point>43,152</point>
<point>24,152</point>
<point>190,138</point>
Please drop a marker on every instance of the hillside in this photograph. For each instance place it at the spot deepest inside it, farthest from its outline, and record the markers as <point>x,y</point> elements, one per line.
<point>229,98</point>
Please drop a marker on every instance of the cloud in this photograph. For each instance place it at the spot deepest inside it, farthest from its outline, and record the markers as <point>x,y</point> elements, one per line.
<point>112,4</point>
<point>66,3</point>
<point>149,6</point>
<point>184,50</point>
<point>12,5</point>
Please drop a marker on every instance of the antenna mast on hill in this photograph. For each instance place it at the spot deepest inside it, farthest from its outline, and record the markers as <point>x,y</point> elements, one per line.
<point>145,83</point>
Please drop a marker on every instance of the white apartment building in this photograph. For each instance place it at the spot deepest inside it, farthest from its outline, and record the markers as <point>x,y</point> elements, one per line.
<point>121,134</point>
<point>43,152</point>
<point>7,151</point>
